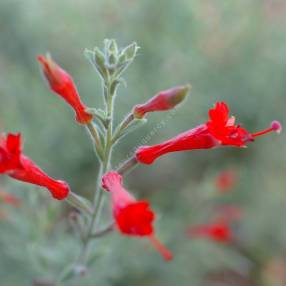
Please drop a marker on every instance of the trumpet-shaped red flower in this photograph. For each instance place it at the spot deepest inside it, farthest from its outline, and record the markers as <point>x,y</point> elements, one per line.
<point>133,218</point>
<point>62,84</point>
<point>9,199</point>
<point>20,167</point>
<point>219,231</point>
<point>164,100</point>
<point>219,130</point>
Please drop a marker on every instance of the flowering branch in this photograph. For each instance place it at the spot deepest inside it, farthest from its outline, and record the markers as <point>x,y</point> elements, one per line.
<point>131,217</point>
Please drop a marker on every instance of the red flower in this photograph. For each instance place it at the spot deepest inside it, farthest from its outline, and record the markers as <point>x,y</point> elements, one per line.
<point>9,152</point>
<point>226,180</point>
<point>62,84</point>
<point>9,199</point>
<point>133,218</point>
<point>164,100</point>
<point>219,231</point>
<point>220,130</point>
<point>24,169</point>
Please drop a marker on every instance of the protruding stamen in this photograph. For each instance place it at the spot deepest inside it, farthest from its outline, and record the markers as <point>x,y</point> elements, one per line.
<point>275,126</point>
<point>166,254</point>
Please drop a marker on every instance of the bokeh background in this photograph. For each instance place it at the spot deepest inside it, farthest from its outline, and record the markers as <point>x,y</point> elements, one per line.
<point>228,50</point>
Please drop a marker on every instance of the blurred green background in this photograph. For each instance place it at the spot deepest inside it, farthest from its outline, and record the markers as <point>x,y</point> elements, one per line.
<point>228,50</point>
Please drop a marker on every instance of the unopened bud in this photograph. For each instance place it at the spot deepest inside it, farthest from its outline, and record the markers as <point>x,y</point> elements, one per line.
<point>164,100</point>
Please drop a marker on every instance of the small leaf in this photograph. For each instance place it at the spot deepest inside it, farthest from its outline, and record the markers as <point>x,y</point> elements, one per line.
<point>97,59</point>
<point>131,51</point>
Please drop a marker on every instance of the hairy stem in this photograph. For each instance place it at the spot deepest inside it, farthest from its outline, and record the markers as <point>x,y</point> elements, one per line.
<point>76,202</point>
<point>95,136</point>
<point>109,228</point>
<point>127,166</point>
<point>104,165</point>
<point>122,126</point>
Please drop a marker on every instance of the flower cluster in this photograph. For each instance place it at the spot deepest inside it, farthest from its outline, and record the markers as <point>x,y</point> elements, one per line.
<point>130,217</point>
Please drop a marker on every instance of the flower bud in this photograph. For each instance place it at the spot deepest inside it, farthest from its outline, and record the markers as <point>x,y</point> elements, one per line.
<point>62,84</point>
<point>164,100</point>
<point>131,51</point>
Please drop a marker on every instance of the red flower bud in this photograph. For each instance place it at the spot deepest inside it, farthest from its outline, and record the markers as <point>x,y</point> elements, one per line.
<point>220,130</point>
<point>24,169</point>
<point>219,232</point>
<point>62,84</point>
<point>133,218</point>
<point>164,100</point>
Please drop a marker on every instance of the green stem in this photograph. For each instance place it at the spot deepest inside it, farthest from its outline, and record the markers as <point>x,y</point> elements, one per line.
<point>98,198</point>
<point>95,136</point>
<point>127,166</point>
<point>109,228</point>
<point>78,203</point>
<point>122,126</point>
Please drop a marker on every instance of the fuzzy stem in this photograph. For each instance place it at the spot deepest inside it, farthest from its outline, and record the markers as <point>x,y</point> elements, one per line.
<point>122,126</point>
<point>109,228</point>
<point>76,202</point>
<point>104,165</point>
<point>95,136</point>
<point>127,166</point>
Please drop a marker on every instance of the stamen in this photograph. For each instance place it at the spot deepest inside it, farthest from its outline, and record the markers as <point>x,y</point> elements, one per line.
<point>275,126</point>
<point>166,254</point>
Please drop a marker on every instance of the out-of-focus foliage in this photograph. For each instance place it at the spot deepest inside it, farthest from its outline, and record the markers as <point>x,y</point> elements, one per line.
<point>228,50</point>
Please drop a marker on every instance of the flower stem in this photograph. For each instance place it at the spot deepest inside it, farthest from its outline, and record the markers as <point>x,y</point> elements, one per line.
<point>95,136</point>
<point>127,166</point>
<point>104,165</point>
<point>122,126</point>
<point>109,228</point>
<point>78,203</point>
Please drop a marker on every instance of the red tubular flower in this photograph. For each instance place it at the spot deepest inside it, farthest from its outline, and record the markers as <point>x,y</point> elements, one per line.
<point>133,218</point>
<point>219,130</point>
<point>219,231</point>
<point>9,199</point>
<point>26,170</point>
<point>164,100</point>
<point>62,84</point>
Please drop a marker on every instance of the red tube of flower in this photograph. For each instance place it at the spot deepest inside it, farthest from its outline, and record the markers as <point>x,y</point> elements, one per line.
<point>219,130</point>
<point>133,218</point>
<point>20,167</point>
